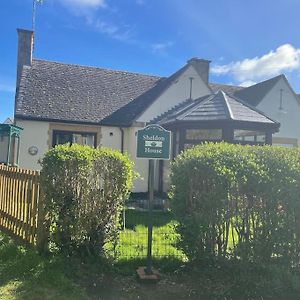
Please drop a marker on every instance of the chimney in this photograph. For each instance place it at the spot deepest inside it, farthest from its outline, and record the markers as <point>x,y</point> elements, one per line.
<point>201,66</point>
<point>25,48</point>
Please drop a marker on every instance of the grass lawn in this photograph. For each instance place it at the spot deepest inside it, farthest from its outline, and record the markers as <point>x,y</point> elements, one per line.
<point>133,240</point>
<point>26,275</point>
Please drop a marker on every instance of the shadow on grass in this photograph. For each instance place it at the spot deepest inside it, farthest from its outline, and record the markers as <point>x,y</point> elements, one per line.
<point>26,275</point>
<point>165,265</point>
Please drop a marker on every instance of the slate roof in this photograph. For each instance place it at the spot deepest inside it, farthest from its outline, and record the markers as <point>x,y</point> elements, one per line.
<point>216,107</point>
<point>130,112</point>
<point>73,93</point>
<point>255,93</point>
<point>227,88</point>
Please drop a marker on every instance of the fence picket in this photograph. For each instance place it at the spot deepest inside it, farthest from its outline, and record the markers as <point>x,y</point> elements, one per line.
<point>20,203</point>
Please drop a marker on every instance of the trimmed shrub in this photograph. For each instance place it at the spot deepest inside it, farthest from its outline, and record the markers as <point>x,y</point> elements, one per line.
<point>84,191</point>
<point>238,201</point>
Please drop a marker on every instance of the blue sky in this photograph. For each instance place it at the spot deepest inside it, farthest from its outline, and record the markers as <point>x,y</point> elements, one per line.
<point>247,41</point>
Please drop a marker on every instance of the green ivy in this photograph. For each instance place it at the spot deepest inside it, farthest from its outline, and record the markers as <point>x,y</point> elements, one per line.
<point>84,191</point>
<point>238,201</point>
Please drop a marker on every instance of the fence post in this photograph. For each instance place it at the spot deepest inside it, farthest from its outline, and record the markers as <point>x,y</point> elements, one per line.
<point>42,233</point>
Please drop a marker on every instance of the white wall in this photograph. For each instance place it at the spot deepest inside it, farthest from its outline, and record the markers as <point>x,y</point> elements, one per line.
<point>289,117</point>
<point>111,137</point>
<point>176,93</point>
<point>35,133</point>
<point>166,175</point>
<point>140,165</point>
<point>114,142</point>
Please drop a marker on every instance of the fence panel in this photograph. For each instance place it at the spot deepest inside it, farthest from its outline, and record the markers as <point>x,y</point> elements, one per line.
<point>133,237</point>
<point>19,203</point>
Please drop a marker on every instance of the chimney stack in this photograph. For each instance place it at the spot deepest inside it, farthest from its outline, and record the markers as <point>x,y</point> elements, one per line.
<point>201,66</point>
<point>25,49</point>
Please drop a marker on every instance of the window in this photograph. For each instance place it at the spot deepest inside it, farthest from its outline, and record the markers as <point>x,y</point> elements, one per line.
<point>81,138</point>
<point>204,134</point>
<point>284,142</point>
<point>249,136</point>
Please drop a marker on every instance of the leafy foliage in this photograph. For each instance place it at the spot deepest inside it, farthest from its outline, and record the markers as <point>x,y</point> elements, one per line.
<point>240,201</point>
<point>84,193</point>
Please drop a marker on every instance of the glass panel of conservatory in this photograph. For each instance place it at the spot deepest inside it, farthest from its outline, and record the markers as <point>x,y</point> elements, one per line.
<point>249,136</point>
<point>204,134</point>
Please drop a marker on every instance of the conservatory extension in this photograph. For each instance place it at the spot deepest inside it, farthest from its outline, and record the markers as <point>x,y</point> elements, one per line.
<point>214,118</point>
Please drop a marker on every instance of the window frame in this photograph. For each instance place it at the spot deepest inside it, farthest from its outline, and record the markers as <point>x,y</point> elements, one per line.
<point>71,132</point>
<point>256,134</point>
<point>197,140</point>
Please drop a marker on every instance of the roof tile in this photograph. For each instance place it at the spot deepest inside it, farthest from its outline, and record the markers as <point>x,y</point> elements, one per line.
<point>56,91</point>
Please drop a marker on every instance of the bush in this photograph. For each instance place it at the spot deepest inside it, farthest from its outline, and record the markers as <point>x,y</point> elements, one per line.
<point>238,201</point>
<point>84,191</point>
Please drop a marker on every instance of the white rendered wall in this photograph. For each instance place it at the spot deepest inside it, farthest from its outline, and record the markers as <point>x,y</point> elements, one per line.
<point>289,117</point>
<point>111,137</point>
<point>166,175</point>
<point>140,165</point>
<point>114,141</point>
<point>35,133</point>
<point>176,93</point>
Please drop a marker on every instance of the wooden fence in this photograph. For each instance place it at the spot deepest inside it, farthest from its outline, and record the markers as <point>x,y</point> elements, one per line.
<point>21,207</point>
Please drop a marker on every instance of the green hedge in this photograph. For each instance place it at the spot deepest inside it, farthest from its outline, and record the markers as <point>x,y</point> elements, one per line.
<point>238,201</point>
<point>84,193</point>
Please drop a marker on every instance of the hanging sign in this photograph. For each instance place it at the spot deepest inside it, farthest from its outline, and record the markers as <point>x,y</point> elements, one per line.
<point>153,142</point>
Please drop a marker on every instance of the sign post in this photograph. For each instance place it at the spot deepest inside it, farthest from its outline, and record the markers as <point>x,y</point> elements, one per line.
<point>150,224</point>
<point>153,143</point>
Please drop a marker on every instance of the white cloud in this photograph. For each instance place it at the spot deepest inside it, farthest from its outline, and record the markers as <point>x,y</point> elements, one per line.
<point>122,33</point>
<point>89,10</point>
<point>285,58</point>
<point>85,3</point>
<point>247,83</point>
<point>161,47</point>
<point>84,8</point>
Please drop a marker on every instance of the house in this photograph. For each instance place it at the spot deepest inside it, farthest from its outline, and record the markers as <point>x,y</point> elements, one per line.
<point>58,103</point>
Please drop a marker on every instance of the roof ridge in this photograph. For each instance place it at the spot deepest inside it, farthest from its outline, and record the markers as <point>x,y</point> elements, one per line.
<point>267,80</point>
<point>275,79</point>
<point>98,68</point>
<point>230,114</point>
<point>258,90</point>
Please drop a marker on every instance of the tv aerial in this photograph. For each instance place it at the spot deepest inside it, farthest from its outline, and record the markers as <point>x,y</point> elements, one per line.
<point>34,6</point>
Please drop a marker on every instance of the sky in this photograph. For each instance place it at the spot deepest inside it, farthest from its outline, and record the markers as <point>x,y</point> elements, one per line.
<point>246,41</point>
